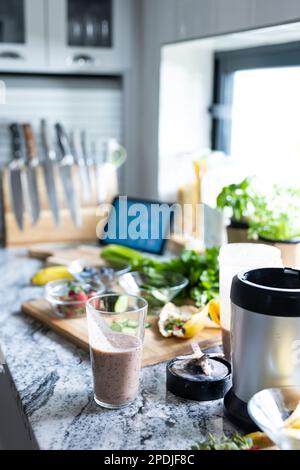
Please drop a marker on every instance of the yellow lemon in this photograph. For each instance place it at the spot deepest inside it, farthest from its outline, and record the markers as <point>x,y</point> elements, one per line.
<point>214,311</point>
<point>295,424</point>
<point>196,324</point>
<point>260,439</point>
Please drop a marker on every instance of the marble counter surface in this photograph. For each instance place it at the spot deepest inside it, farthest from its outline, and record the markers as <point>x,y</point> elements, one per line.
<point>53,378</point>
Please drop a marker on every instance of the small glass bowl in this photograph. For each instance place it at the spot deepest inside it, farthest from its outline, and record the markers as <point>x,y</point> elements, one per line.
<point>56,290</point>
<point>157,289</point>
<point>105,272</point>
<point>270,408</point>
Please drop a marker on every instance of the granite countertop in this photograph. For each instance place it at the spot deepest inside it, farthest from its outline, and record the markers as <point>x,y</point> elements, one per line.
<point>53,379</point>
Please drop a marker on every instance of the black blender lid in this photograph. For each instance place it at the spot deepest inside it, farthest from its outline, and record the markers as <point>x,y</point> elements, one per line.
<point>207,389</point>
<point>269,291</point>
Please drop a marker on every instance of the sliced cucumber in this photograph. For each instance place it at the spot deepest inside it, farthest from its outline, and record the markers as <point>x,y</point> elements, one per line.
<point>121,304</point>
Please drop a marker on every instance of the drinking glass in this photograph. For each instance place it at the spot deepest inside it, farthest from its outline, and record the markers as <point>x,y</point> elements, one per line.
<point>116,326</point>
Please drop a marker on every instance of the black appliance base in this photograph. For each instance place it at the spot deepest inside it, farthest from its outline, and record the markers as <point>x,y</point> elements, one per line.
<point>236,411</point>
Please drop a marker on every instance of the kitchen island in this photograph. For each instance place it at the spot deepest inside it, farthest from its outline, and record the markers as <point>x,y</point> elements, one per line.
<point>53,380</point>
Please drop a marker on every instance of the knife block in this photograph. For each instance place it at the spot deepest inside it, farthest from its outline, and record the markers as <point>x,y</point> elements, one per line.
<point>45,231</point>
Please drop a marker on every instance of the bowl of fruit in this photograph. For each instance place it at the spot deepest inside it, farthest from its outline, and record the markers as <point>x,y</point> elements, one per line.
<point>68,298</point>
<point>103,271</point>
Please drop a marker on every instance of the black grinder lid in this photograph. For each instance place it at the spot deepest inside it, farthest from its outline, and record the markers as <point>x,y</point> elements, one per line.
<point>269,291</point>
<point>206,390</point>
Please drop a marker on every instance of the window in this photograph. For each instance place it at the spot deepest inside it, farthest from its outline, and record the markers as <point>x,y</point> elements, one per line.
<point>256,112</point>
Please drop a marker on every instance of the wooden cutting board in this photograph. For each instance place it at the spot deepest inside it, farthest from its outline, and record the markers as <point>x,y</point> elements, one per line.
<point>156,348</point>
<point>64,254</point>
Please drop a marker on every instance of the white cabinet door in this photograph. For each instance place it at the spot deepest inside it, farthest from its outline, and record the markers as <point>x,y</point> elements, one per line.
<point>195,18</point>
<point>22,35</point>
<point>74,29</point>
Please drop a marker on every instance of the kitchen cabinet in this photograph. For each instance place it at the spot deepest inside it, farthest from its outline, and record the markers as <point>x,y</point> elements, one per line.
<point>22,35</point>
<point>193,18</point>
<point>90,35</point>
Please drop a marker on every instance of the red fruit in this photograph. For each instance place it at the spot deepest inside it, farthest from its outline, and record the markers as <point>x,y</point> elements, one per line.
<point>69,313</point>
<point>92,294</point>
<point>81,297</point>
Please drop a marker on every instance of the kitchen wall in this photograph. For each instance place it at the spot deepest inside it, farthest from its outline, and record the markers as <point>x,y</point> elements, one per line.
<point>185,125</point>
<point>166,21</point>
<point>91,104</point>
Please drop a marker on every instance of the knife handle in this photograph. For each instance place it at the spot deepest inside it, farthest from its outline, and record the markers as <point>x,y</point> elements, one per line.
<point>30,141</point>
<point>17,141</point>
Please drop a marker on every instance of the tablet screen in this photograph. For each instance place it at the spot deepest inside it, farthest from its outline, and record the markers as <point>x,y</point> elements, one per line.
<point>138,224</point>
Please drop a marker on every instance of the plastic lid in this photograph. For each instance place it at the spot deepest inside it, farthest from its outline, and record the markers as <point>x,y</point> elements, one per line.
<point>251,254</point>
<point>206,390</point>
<point>269,291</point>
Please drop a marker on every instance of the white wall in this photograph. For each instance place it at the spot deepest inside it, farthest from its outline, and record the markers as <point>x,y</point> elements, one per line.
<point>185,125</point>
<point>165,21</point>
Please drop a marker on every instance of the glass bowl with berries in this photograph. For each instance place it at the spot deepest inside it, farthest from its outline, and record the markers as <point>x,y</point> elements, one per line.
<point>68,298</point>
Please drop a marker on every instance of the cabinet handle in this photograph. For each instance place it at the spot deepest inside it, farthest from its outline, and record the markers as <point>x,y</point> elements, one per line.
<point>11,55</point>
<point>83,59</point>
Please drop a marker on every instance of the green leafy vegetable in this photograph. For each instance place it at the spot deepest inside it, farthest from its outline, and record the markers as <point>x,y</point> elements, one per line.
<point>201,270</point>
<point>240,198</point>
<point>122,254</point>
<point>274,216</point>
<point>236,442</point>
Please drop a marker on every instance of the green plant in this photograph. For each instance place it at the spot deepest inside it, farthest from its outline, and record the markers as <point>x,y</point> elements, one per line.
<point>236,442</point>
<point>277,217</point>
<point>239,198</point>
<point>201,269</point>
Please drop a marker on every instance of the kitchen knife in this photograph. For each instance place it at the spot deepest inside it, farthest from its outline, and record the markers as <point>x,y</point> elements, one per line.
<point>101,173</point>
<point>87,158</point>
<point>47,164</point>
<point>111,157</point>
<point>65,168</point>
<point>82,165</point>
<point>32,162</point>
<point>15,172</point>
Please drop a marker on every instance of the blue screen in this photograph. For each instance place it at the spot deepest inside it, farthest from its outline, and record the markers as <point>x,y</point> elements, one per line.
<point>138,224</point>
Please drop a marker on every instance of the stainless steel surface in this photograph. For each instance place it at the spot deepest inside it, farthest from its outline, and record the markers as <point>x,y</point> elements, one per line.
<point>88,160</point>
<point>65,168</point>
<point>30,181</point>
<point>79,147</point>
<point>32,191</point>
<point>15,173</point>
<point>16,192</point>
<point>264,352</point>
<point>101,175</point>
<point>47,164</point>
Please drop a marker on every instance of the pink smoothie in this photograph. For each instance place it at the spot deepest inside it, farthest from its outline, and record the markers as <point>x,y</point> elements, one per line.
<point>116,371</point>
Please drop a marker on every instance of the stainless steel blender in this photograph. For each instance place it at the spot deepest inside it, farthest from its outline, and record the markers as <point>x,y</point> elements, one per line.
<point>265,336</point>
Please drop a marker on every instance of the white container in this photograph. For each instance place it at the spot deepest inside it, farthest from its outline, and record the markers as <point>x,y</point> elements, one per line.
<point>234,258</point>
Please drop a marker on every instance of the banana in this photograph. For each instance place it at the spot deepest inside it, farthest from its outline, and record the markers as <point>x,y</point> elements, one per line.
<point>54,273</point>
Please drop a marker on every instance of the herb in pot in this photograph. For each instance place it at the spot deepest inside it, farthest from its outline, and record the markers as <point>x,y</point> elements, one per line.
<point>277,217</point>
<point>239,198</point>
